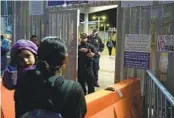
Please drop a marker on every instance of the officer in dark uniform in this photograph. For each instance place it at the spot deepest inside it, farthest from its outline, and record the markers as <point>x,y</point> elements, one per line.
<point>86,53</point>
<point>96,41</point>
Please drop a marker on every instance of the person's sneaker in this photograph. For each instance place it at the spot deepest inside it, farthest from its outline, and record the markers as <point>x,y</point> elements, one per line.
<point>96,85</point>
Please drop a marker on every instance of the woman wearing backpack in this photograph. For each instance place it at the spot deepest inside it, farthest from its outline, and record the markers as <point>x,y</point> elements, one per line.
<point>110,45</point>
<point>46,89</point>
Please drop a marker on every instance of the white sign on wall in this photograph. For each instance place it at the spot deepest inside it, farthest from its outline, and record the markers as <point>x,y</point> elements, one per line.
<point>135,3</point>
<point>137,51</point>
<point>36,7</point>
<point>165,43</point>
<point>137,42</point>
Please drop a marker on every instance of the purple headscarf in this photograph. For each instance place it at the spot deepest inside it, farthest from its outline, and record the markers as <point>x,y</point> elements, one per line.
<point>11,73</point>
<point>24,44</point>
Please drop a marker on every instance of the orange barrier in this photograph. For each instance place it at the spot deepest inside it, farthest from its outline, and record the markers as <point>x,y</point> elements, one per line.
<point>125,102</point>
<point>2,114</point>
<point>7,102</point>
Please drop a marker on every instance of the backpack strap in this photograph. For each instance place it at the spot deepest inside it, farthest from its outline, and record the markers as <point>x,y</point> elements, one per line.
<point>59,82</point>
<point>61,91</point>
<point>64,86</point>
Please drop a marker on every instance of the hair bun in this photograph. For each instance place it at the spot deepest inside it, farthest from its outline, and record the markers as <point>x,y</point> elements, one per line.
<point>43,67</point>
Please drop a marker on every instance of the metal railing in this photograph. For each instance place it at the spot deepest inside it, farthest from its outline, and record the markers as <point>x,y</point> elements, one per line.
<point>158,102</point>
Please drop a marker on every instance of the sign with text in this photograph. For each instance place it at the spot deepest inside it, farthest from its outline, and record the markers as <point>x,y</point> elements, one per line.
<point>135,3</point>
<point>165,43</point>
<point>68,2</point>
<point>137,60</point>
<point>55,3</point>
<point>137,51</point>
<point>77,2</point>
<point>36,8</point>
<point>137,42</point>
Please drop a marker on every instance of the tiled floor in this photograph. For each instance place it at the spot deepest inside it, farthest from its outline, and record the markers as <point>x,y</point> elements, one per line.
<point>106,73</point>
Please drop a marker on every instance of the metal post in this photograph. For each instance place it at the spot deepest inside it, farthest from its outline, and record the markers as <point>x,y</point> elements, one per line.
<point>6,12</point>
<point>28,31</point>
<point>98,23</point>
<point>157,111</point>
<point>119,45</point>
<point>14,22</point>
<point>86,22</point>
<point>130,71</point>
<point>165,105</point>
<point>161,99</point>
<point>171,113</point>
<point>104,31</point>
<point>21,21</point>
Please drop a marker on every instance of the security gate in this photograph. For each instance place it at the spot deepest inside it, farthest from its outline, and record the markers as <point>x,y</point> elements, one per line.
<point>55,21</point>
<point>64,24</point>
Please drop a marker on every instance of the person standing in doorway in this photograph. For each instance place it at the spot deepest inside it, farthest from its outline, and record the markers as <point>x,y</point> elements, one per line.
<point>110,45</point>
<point>96,41</point>
<point>86,53</point>
<point>35,39</point>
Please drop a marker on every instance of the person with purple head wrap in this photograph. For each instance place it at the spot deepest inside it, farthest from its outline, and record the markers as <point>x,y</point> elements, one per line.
<point>23,57</point>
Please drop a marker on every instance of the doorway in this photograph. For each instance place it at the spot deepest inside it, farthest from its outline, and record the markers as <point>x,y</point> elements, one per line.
<point>103,18</point>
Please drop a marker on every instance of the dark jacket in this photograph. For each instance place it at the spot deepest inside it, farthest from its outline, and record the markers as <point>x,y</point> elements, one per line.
<point>12,74</point>
<point>67,97</point>
<point>110,44</point>
<point>96,42</point>
<point>84,61</point>
<point>99,46</point>
<point>4,50</point>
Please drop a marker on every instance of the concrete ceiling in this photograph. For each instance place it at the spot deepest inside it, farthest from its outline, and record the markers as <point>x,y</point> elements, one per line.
<point>97,9</point>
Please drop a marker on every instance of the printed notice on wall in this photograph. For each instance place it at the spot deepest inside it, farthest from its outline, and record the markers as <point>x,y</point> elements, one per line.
<point>137,51</point>
<point>165,43</point>
<point>36,8</point>
<point>135,3</point>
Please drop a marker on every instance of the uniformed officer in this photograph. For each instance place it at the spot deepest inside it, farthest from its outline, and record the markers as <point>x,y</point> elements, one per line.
<point>96,41</point>
<point>86,53</point>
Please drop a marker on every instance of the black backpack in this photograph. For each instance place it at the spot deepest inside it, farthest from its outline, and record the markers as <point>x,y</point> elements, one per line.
<point>42,101</point>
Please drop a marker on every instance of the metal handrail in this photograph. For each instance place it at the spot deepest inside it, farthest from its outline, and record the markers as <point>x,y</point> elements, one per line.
<point>168,95</point>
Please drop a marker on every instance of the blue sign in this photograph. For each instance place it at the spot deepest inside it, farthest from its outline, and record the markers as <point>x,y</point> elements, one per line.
<point>55,3</point>
<point>59,3</point>
<point>137,60</point>
<point>80,1</point>
<point>76,2</point>
<point>72,2</point>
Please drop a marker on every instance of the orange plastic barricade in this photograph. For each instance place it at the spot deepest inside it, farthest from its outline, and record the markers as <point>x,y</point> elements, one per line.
<point>124,102</point>
<point>136,105</point>
<point>117,104</point>
<point>7,103</point>
<point>2,114</point>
